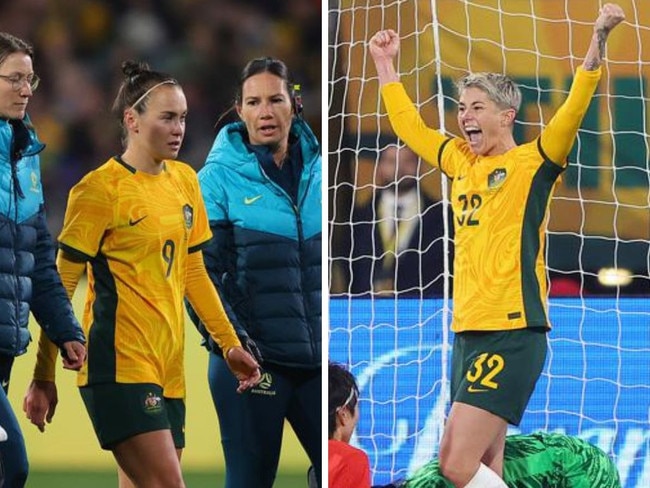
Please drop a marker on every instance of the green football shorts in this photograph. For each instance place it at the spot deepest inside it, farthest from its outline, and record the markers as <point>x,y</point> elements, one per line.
<point>119,411</point>
<point>497,371</point>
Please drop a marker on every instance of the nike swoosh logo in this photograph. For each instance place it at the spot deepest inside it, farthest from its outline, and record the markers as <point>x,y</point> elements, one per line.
<point>472,389</point>
<point>134,222</point>
<point>250,200</point>
<point>461,178</point>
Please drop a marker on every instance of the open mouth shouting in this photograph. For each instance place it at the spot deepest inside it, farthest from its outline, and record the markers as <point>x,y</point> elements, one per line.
<point>473,134</point>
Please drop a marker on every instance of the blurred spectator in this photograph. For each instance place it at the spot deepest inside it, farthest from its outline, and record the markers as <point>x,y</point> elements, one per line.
<point>564,286</point>
<point>397,236</point>
<point>82,43</point>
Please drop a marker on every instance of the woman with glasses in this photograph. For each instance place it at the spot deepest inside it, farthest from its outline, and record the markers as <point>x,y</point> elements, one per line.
<point>28,277</point>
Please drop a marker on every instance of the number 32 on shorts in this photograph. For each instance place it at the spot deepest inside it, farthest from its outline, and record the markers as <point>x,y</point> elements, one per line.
<point>484,370</point>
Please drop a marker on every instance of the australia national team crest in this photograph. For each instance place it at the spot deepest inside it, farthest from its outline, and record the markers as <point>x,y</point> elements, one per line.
<point>152,403</point>
<point>188,215</point>
<point>496,178</point>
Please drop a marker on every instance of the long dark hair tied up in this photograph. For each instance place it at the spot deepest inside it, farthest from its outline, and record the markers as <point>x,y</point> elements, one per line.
<point>264,65</point>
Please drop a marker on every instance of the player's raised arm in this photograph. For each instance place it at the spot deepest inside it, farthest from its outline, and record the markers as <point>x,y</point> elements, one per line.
<point>610,16</point>
<point>404,117</point>
<point>558,137</point>
<point>384,46</point>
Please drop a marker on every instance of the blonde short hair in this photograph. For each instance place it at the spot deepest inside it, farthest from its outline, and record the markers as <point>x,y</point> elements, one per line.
<point>499,88</point>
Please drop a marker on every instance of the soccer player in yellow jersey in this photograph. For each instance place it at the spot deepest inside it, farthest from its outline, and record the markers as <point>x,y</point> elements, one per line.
<point>500,196</point>
<point>137,225</point>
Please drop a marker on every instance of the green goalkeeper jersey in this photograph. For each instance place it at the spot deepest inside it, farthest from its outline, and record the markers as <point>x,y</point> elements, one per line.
<point>540,460</point>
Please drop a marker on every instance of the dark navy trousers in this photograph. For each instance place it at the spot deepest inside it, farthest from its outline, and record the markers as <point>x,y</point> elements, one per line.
<point>252,423</point>
<point>13,455</point>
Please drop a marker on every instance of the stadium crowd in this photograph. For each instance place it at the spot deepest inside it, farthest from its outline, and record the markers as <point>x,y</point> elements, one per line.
<point>80,45</point>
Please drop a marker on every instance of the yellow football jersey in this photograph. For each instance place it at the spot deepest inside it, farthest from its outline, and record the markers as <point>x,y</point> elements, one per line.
<point>500,206</point>
<point>135,229</point>
<point>500,212</point>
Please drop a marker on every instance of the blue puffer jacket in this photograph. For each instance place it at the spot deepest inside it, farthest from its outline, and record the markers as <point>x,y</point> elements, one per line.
<point>28,275</point>
<point>265,257</point>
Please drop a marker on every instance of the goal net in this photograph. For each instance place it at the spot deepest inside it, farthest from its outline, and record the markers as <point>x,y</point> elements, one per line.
<point>391,238</point>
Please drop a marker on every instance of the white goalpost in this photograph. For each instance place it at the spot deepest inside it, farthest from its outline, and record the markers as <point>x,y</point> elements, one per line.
<point>390,269</point>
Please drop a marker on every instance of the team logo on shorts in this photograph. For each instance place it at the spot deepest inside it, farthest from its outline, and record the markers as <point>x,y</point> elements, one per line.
<point>152,403</point>
<point>188,215</point>
<point>496,178</point>
<point>264,387</point>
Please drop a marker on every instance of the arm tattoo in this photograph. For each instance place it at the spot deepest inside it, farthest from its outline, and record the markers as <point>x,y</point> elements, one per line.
<point>602,40</point>
<point>593,63</point>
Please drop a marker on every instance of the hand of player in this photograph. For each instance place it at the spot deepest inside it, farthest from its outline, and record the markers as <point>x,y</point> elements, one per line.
<point>40,403</point>
<point>74,355</point>
<point>384,46</point>
<point>610,16</point>
<point>244,367</point>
